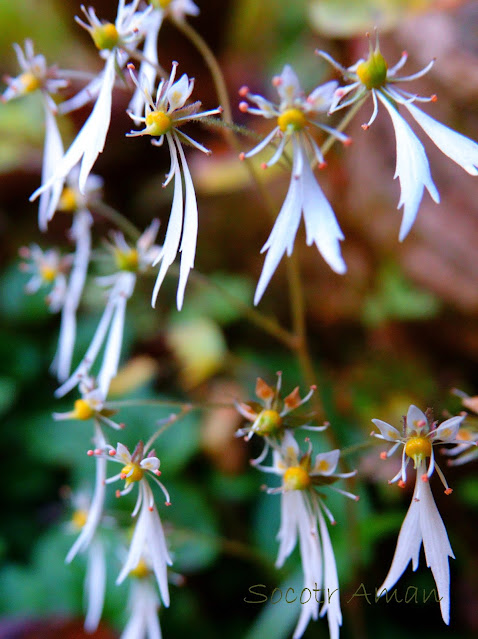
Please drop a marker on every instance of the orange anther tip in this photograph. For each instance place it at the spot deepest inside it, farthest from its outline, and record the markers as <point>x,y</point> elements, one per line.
<point>434,98</point>
<point>401,484</point>
<point>357,497</point>
<point>243,107</point>
<point>90,453</point>
<point>340,93</point>
<point>112,453</point>
<point>448,491</point>
<point>333,523</point>
<point>167,503</point>
<point>157,473</point>
<point>365,127</point>
<point>347,142</point>
<point>150,508</point>
<point>123,475</point>
<point>122,425</point>
<point>276,80</point>
<point>98,451</point>
<point>322,165</point>
<point>220,109</point>
<point>242,156</point>
<point>424,477</point>
<point>264,166</point>
<point>243,91</point>
<point>130,65</point>
<point>383,455</point>
<point>118,494</point>
<point>313,387</point>
<point>307,439</point>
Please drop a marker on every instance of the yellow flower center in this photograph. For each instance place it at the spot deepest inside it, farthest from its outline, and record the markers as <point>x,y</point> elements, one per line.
<point>29,81</point>
<point>132,472</point>
<point>79,518</point>
<point>106,36</point>
<point>296,478</point>
<point>323,466</point>
<point>373,72</point>
<point>48,272</point>
<point>160,4</point>
<point>127,260</point>
<point>418,448</point>
<point>141,571</point>
<point>68,202</point>
<point>292,119</point>
<point>267,422</point>
<point>83,409</point>
<point>158,123</point>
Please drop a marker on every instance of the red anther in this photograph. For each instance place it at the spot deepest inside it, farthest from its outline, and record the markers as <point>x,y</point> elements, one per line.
<point>150,508</point>
<point>365,127</point>
<point>98,451</point>
<point>122,425</point>
<point>243,91</point>
<point>405,53</point>
<point>401,483</point>
<point>90,453</point>
<point>118,494</point>
<point>157,473</point>
<point>264,165</point>
<point>383,455</point>
<point>421,423</point>
<point>276,81</point>
<point>434,97</point>
<point>448,491</point>
<point>333,523</point>
<point>131,66</point>
<point>242,156</point>
<point>357,497</point>
<point>340,93</point>
<point>322,165</point>
<point>313,387</point>
<point>424,477</point>
<point>278,373</point>
<point>220,109</point>
<point>123,475</point>
<point>243,107</point>
<point>347,142</point>
<point>24,252</point>
<point>112,452</point>
<point>307,439</point>
<point>167,503</point>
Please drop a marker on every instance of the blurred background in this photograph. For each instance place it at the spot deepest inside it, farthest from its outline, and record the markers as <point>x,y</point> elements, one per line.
<point>400,327</point>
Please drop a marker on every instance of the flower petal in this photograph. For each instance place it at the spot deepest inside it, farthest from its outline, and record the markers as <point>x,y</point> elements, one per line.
<point>387,431</point>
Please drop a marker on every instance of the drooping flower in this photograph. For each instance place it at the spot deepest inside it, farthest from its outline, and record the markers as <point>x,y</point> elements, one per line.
<point>176,9</point>
<point>272,416</point>
<point>296,117</point>
<point>372,77</point>
<point>423,521</point>
<point>111,40</point>
<point>143,604</point>
<point>36,76</point>
<point>49,270</point>
<point>91,406</point>
<point>148,537</point>
<point>163,117</point>
<point>129,261</point>
<point>302,519</point>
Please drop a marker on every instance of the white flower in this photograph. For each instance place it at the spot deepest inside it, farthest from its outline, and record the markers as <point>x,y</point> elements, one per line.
<point>143,604</point>
<point>111,39</point>
<point>423,521</point>
<point>295,115</point>
<point>48,269</point>
<point>110,328</point>
<point>301,510</point>
<point>37,76</point>
<point>176,9</point>
<point>163,117</point>
<point>373,77</point>
<point>148,537</point>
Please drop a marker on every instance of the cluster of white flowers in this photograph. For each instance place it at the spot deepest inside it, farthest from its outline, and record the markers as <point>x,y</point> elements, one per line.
<point>161,105</point>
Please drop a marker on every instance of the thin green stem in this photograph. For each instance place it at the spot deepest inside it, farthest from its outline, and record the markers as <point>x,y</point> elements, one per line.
<point>166,403</point>
<point>118,219</point>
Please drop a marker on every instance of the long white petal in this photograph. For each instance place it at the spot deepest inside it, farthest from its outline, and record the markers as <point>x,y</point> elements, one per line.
<point>52,154</point>
<point>436,545</point>
<point>331,581</point>
<point>287,535</point>
<point>412,169</point>
<point>190,229</point>
<point>283,233</point>
<point>456,146</point>
<point>96,507</point>
<point>95,585</point>
<point>408,545</point>
<point>320,223</point>
<point>173,232</point>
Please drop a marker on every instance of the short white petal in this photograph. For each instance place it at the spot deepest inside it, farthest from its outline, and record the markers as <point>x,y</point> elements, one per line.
<point>387,431</point>
<point>416,419</point>
<point>448,430</point>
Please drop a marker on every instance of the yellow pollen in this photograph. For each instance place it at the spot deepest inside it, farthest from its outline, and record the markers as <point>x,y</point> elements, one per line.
<point>296,478</point>
<point>417,448</point>
<point>323,466</point>
<point>67,202</point>
<point>106,36</point>
<point>127,260</point>
<point>83,409</point>
<point>157,123</point>
<point>141,571</point>
<point>373,72</point>
<point>292,119</point>
<point>48,272</point>
<point>79,518</point>
<point>136,473</point>
<point>29,81</point>
<point>267,422</point>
